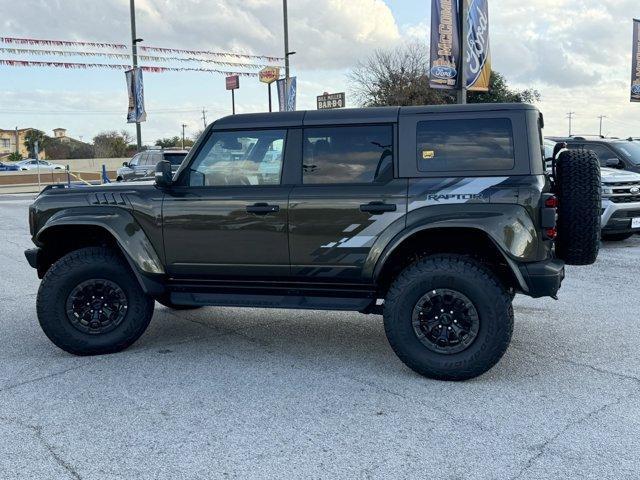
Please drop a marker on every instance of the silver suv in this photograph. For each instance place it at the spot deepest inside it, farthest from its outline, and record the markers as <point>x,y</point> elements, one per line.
<point>620,200</point>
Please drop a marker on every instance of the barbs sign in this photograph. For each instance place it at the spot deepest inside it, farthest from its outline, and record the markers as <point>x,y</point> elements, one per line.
<point>635,63</point>
<point>328,101</point>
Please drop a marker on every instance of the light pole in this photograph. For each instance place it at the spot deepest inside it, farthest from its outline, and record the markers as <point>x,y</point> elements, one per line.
<point>183,127</point>
<point>570,117</point>
<point>134,54</point>
<point>287,53</point>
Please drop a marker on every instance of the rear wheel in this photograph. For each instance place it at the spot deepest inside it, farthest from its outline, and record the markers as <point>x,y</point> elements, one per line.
<point>90,303</point>
<point>448,318</point>
<point>579,191</point>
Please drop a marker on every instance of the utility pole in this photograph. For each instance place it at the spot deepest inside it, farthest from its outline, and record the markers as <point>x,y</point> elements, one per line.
<point>601,117</point>
<point>287,53</point>
<point>570,117</point>
<point>183,127</point>
<point>204,117</point>
<point>134,54</point>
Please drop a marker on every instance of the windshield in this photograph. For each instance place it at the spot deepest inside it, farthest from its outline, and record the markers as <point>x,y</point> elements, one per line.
<point>175,158</point>
<point>631,150</point>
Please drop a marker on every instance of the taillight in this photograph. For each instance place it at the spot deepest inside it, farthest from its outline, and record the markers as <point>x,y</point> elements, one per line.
<point>551,202</point>
<point>551,233</point>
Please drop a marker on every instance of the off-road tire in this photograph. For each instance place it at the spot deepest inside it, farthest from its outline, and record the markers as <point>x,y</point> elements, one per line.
<point>616,237</point>
<point>579,191</point>
<point>480,285</point>
<point>69,272</point>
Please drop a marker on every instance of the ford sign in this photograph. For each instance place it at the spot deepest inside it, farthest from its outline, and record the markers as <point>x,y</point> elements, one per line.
<point>440,71</point>
<point>635,89</point>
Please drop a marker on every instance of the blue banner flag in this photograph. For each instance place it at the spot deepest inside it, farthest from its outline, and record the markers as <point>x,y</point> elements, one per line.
<point>287,102</point>
<point>135,86</point>
<point>635,63</point>
<point>477,52</point>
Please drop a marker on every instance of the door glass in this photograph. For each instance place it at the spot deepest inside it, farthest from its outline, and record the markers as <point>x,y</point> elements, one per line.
<point>134,161</point>
<point>362,154</point>
<point>239,158</point>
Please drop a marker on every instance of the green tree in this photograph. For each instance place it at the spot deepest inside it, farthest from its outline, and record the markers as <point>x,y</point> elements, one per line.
<point>111,144</point>
<point>14,157</point>
<point>399,76</point>
<point>168,142</point>
<point>31,138</point>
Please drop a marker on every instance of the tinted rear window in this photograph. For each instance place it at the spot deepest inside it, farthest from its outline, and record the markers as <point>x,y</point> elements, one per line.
<point>175,158</point>
<point>465,145</point>
<point>362,154</point>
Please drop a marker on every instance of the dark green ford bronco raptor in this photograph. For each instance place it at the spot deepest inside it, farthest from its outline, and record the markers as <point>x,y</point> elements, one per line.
<point>434,217</point>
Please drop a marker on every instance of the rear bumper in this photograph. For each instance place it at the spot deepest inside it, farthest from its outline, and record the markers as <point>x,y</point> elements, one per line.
<point>543,278</point>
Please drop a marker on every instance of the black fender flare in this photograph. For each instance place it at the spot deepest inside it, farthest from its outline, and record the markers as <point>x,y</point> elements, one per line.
<point>509,227</point>
<point>126,231</point>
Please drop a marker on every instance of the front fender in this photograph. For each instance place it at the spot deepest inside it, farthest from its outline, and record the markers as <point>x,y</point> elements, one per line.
<point>120,224</point>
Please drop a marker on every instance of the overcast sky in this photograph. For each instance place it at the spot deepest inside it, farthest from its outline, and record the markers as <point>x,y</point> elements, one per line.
<point>577,53</point>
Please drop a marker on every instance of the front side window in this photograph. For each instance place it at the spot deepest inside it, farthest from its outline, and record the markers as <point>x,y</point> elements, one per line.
<point>630,149</point>
<point>134,161</point>
<point>360,154</point>
<point>239,158</point>
<point>465,145</point>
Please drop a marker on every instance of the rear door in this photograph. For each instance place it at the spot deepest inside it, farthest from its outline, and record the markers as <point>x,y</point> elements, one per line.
<point>346,198</point>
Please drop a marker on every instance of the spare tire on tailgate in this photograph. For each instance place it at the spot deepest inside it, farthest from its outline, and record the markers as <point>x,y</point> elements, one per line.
<point>579,192</point>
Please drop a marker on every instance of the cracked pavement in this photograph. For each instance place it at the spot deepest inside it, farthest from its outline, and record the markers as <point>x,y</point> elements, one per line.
<point>250,393</point>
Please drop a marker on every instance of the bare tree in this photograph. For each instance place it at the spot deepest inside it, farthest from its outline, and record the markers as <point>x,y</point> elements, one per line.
<point>399,76</point>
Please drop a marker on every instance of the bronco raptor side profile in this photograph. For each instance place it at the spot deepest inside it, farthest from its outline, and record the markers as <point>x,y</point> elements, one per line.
<point>434,217</point>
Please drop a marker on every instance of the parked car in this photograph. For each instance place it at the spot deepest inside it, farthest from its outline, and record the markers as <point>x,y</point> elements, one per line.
<point>434,217</point>
<point>620,197</point>
<point>612,152</point>
<point>143,165</point>
<point>32,164</point>
<point>9,167</point>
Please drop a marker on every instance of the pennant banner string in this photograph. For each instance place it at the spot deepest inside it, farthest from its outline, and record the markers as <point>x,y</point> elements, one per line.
<point>124,56</point>
<point>119,46</point>
<point>145,68</point>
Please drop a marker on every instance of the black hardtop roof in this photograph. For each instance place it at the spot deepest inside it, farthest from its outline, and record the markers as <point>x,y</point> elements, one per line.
<point>344,116</point>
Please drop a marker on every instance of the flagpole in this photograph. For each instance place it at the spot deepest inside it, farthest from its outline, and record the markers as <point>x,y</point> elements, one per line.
<point>134,54</point>
<point>464,33</point>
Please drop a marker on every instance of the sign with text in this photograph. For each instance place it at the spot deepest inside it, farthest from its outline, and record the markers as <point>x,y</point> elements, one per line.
<point>635,63</point>
<point>445,44</point>
<point>269,74</point>
<point>331,100</point>
<point>233,82</point>
<point>477,53</point>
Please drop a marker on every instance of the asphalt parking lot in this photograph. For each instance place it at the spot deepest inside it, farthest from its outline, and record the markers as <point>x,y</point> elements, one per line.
<point>232,393</point>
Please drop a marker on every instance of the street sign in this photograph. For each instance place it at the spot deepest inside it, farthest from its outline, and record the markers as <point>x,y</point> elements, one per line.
<point>269,74</point>
<point>233,82</point>
<point>331,100</point>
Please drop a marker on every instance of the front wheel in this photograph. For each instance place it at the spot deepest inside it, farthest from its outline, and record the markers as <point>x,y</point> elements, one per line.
<point>448,318</point>
<point>90,303</point>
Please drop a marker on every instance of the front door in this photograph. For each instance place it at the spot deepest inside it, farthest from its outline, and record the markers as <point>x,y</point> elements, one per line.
<point>227,214</point>
<point>347,199</point>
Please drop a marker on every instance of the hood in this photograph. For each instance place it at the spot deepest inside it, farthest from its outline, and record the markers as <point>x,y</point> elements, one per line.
<point>613,175</point>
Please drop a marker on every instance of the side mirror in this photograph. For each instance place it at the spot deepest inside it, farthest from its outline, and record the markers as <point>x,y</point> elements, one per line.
<point>125,164</point>
<point>613,163</point>
<point>164,176</point>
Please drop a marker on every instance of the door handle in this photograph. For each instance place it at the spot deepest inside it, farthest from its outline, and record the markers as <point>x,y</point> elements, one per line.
<point>263,208</point>
<point>378,207</point>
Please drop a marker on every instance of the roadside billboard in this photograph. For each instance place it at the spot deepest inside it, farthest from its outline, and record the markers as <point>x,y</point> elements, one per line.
<point>445,44</point>
<point>635,63</point>
<point>328,101</point>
